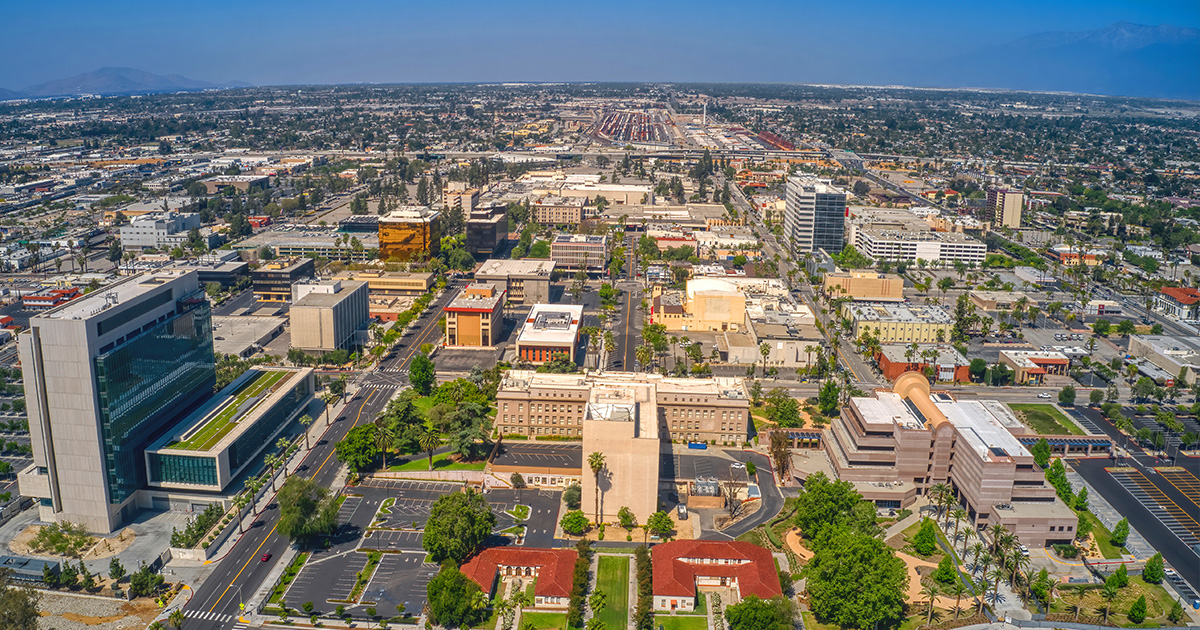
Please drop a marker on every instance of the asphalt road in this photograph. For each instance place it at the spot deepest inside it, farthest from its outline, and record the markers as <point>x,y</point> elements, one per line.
<point>241,572</point>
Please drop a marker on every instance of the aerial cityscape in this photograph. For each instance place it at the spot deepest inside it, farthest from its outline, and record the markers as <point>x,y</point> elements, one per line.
<point>488,342</point>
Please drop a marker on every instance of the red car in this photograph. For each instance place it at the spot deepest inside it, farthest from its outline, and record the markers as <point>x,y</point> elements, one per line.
<point>266,556</point>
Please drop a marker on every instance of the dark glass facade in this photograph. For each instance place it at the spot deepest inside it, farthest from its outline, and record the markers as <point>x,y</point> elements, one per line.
<point>171,468</point>
<point>829,222</point>
<point>146,382</point>
<point>256,436</point>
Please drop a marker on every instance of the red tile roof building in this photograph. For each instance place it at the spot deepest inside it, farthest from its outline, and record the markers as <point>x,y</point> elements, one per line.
<point>553,569</point>
<point>683,565</point>
<point>1179,302</point>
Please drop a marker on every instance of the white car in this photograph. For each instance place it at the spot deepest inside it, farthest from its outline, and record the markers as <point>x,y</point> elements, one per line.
<point>1044,395</point>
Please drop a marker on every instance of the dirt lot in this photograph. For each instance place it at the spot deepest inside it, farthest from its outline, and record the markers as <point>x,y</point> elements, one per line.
<point>67,612</point>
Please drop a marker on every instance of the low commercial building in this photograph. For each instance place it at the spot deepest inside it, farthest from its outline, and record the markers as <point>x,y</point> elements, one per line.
<point>549,571</point>
<point>313,240</point>
<point>391,283</point>
<point>899,443</point>
<point>475,317</point>
<point>1071,255</point>
<point>241,183</point>
<point>164,230</point>
<point>911,246</point>
<point>949,365</point>
<point>864,285</point>
<point>1032,366</point>
<point>325,316</point>
<point>999,300</point>
<point>572,252</point>
<point>49,298</point>
<point>556,210</point>
<point>1033,276</point>
<point>684,567</point>
<point>487,229</point>
<point>707,304</point>
<point>1173,355</point>
<point>1178,302</point>
<point>273,280</point>
<point>899,323</point>
<point>709,410</point>
<point>549,330</point>
<point>222,267</point>
<point>410,233</point>
<point>523,281</point>
<point>207,450</point>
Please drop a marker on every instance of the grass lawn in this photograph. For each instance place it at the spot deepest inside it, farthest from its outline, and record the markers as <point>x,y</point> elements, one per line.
<point>1103,538</point>
<point>440,462</point>
<point>423,404</point>
<point>1047,419</point>
<point>687,622</point>
<point>1158,603</point>
<point>225,420</point>
<point>520,512</point>
<point>613,578</point>
<point>545,621</point>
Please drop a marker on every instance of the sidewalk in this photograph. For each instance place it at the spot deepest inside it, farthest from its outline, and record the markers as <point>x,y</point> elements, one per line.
<point>911,519</point>
<point>1136,543</point>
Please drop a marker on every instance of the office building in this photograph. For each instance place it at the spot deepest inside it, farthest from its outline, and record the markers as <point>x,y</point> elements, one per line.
<point>209,448</point>
<point>487,229</point>
<point>391,283</point>
<point>899,323</point>
<point>555,210</point>
<point>523,281</point>
<point>410,233</point>
<point>709,410</point>
<point>948,365</point>
<point>814,215</point>
<point>1030,367</point>
<point>707,304</point>
<point>1178,302</point>
<point>273,280</point>
<point>1005,207</point>
<point>999,300</point>
<point>458,195</point>
<point>549,330</point>
<point>898,444</point>
<point>104,375</point>
<point>572,252</point>
<point>910,246</point>
<point>164,231</point>
<point>1171,354</point>
<point>241,183</point>
<point>864,285</point>
<point>289,241</point>
<point>733,568</point>
<point>475,317</point>
<point>325,316</point>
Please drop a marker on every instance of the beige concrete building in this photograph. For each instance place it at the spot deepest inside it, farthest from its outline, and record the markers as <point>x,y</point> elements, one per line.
<point>708,304</point>
<point>1032,366</point>
<point>390,283</point>
<point>475,317</point>
<point>713,410</point>
<point>326,315</point>
<point>1171,354</point>
<point>572,252</point>
<point>555,210</point>
<point>999,300</point>
<point>899,323</point>
<point>864,285</point>
<point>1006,207</point>
<point>523,281</point>
<point>898,444</point>
<point>621,422</point>
<point>460,197</point>
<point>549,330</point>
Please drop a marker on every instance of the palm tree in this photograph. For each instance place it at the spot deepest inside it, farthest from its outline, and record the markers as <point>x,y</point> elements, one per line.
<point>429,441</point>
<point>596,463</point>
<point>958,589</point>
<point>157,625</point>
<point>1080,593</point>
<point>328,398</point>
<point>385,437</point>
<point>930,592</point>
<point>977,555</point>
<point>272,462</point>
<point>1108,594</point>
<point>997,531</point>
<point>176,618</point>
<point>981,591</point>
<point>997,574</point>
<point>1017,563</point>
<point>306,421</point>
<point>282,444</point>
<point>959,515</point>
<point>643,354</point>
<point>941,495</point>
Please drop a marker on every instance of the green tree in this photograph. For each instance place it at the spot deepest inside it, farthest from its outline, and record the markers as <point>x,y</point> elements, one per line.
<point>946,573</point>
<point>452,597</point>
<point>1101,327</point>
<point>1067,395</point>
<point>18,604</point>
<point>457,526</point>
<point>977,368</point>
<point>574,523</point>
<point>1126,327</point>
<point>1120,533</point>
<point>836,575</point>
<point>1095,397</point>
<point>573,496</point>
<point>826,507</point>
<point>660,523</point>
<point>753,613</point>
<point>358,449</point>
<point>1137,612</point>
<point>1081,500</point>
<point>827,398</point>
<point>421,374</point>
<point>176,618</point>
<point>306,510</point>
<point>1153,572</point>
<point>626,518</point>
<point>116,570</point>
<point>1041,452</point>
<point>925,540</point>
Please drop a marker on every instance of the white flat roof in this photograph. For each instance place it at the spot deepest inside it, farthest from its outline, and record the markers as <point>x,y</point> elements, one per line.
<point>552,323</point>
<point>983,431</point>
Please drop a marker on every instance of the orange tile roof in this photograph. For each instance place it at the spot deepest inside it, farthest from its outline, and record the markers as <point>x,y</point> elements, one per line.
<point>1183,295</point>
<point>674,577</point>
<point>555,568</point>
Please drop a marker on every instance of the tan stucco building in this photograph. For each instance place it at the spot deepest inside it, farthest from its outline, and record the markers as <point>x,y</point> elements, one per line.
<point>899,323</point>
<point>326,315</point>
<point>708,304</point>
<point>864,285</point>
<point>475,318</point>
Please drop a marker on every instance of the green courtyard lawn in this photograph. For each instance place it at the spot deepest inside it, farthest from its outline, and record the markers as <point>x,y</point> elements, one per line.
<point>1158,603</point>
<point>544,621</point>
<point>419,462</point>
<point>686,622</point>
<point>613,578</point>
<point>1047,419</point>
<point>1103,538</point>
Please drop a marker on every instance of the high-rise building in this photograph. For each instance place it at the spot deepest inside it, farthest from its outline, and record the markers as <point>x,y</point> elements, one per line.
<point>1005,207</point>
<point>326,315</point>
<point>105,375</point>
<point>412,232</point>
<point>487,229</point>
<point>814,215</point>
<point>572,252</point>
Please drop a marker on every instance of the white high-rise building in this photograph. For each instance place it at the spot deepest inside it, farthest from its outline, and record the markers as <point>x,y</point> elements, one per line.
<point>814,215</point>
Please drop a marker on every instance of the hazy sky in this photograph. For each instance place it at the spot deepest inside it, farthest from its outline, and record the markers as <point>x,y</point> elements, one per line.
<point>273,42</point>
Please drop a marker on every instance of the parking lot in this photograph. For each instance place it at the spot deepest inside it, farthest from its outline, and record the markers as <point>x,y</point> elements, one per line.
<point>401,579</point>
<point>540,455</point>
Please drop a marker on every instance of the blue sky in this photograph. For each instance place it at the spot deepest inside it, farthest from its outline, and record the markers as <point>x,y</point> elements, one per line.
<point>272,42</point>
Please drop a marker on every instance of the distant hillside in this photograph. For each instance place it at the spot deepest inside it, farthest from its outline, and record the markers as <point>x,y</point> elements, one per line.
<point>1121,59</point>
<point>116,81</point>
<point>8,94</point>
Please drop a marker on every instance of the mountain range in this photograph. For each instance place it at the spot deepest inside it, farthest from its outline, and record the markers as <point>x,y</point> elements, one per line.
<point>112,81</point>
<point>1121,59</point>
